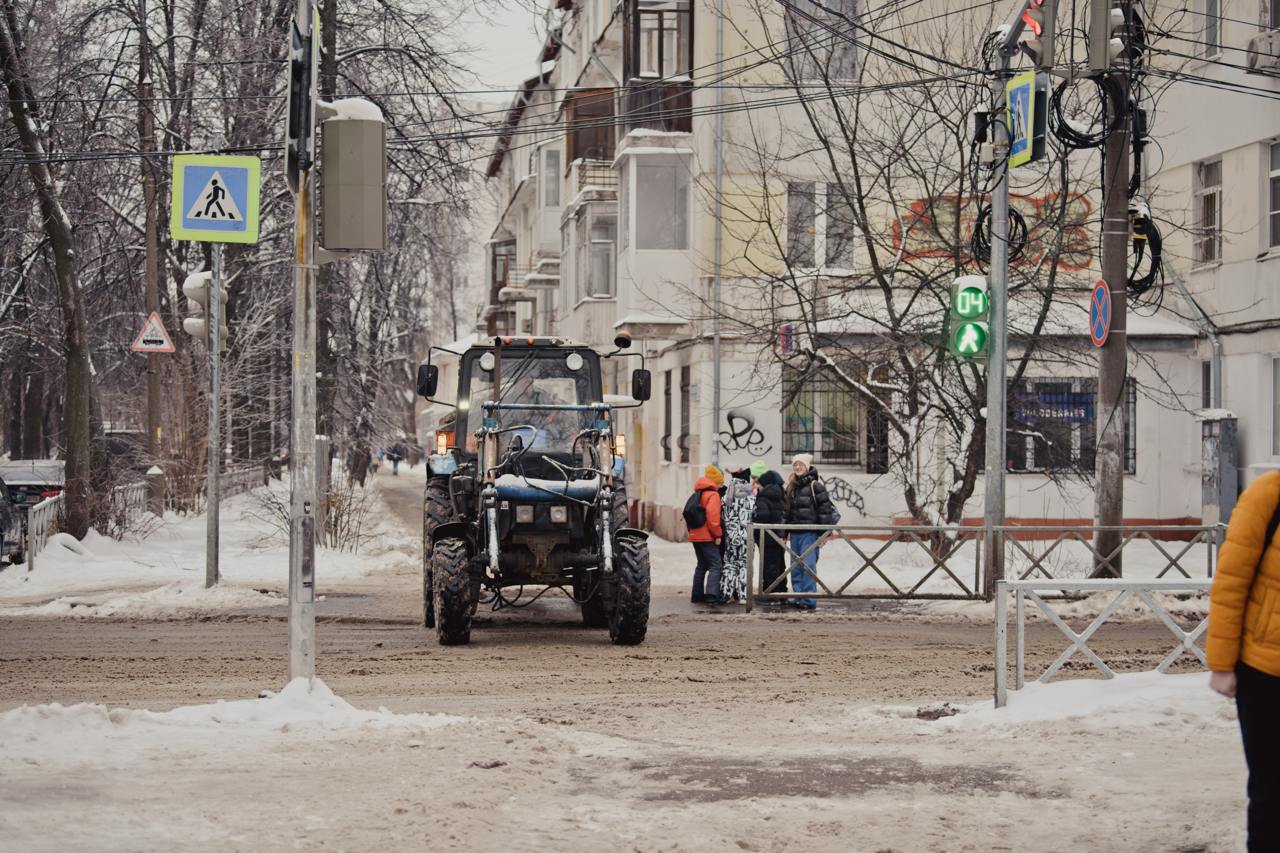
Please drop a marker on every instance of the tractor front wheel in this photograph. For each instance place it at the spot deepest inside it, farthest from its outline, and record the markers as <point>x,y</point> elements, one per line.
<point>455,591</point>
<point>435,511</point>
<point>629,616</point>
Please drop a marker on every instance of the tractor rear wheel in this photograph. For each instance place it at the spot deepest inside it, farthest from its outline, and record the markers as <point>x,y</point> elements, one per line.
<point>435,511</point>
<point>629,615</point>
<point>455,591</point>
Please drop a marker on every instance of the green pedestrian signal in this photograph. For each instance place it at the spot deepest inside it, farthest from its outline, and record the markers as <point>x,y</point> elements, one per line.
<point>969,306</point>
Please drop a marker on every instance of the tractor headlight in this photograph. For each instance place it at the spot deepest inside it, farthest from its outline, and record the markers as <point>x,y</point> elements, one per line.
<point>620,445</point>
<point>524,514</point>
<point>559,514</point>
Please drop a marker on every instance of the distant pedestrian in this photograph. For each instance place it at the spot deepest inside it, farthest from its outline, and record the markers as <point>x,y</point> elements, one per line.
<point>771,508</point>
<point>702,517</point>
<point>807,503</point>
<point>1243,647</point>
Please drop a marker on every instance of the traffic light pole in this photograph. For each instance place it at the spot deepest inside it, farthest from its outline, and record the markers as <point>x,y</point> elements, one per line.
<point>211,574</point>
<point>302,438</point>
<point>998,295</point>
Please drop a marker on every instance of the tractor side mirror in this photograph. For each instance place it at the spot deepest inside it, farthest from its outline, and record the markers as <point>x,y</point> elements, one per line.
<point>641,384</point>
<point>428,379</point>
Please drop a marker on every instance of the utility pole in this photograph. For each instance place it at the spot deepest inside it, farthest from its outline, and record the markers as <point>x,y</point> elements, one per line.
<point>304,45</point>
<point>215,307</point>
<point>146,136</point>
<point>717,343</point>
<point>1113,358</point>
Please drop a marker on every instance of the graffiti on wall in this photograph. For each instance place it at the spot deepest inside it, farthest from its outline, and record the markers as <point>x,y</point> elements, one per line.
<point>932,226</point>
<point>743,434</point>
<point>842,492</point>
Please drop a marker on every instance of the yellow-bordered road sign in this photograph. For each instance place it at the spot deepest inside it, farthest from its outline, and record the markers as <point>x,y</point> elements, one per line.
<point>1020,111</point>
<point>215,198</point>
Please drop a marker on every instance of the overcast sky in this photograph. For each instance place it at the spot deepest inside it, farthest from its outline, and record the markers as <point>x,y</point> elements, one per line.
<point>504,47</point>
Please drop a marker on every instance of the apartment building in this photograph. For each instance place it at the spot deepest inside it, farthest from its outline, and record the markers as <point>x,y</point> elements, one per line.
<point>647,188</point>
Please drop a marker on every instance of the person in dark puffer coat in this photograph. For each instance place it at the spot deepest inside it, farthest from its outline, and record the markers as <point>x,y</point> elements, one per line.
<point>807,503</point>
<point>771,503</point>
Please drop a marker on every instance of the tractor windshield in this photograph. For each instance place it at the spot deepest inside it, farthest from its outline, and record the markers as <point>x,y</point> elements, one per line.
<point>538,377</point>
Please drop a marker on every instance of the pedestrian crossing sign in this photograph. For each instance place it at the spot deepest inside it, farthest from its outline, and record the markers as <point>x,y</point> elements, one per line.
<point>215,198</point>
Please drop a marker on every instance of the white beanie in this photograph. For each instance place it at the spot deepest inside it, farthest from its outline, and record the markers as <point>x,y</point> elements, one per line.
<point>805,459</point>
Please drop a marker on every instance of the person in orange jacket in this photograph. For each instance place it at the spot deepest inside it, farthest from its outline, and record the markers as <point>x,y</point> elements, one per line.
<point>1243,646</point>
<point>706,537</point>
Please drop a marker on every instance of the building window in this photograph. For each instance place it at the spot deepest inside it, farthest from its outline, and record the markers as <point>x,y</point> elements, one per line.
<point>1273,15</point>
<point>1208,212</point>
<point>580,269</point>
<point>551,177</point>
<point>686,396</point>
<point>1212,42</point>
<point>1275,407</point>
<point>1273,185</point>
<point>666,416</point>
<point>1052,426</point>
<point>662,206</point>
<point>624,204</point>
<point>821,229</point>
<point>663,38</point>
<point>1206,384</point>
<point>823,416</point>
<point>604,250</point>
<point>821,39</point>
<point>590,114</point>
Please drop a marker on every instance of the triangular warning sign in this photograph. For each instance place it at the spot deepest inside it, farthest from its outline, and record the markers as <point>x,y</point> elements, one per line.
<point>215,204</point>
<point>153,337</point>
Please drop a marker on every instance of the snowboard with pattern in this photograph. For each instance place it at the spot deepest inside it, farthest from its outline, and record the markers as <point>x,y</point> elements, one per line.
<point>733,578</point>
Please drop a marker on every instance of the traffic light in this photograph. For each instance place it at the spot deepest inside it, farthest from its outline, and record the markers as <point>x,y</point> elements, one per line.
<point>1039,16</point>
<point>969,307</point>
<point>196,288</point>
<point>1106,31</point>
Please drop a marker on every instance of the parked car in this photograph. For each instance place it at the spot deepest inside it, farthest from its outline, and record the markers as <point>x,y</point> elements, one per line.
<point>32,480</point>
<point>12,540</point>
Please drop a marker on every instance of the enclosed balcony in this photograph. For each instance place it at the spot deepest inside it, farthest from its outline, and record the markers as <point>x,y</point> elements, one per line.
<point>658,65</point>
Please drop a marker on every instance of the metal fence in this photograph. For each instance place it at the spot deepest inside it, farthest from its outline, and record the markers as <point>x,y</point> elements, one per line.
<point>931,562</point>
<point>43,520</point>
<point>237,481</point>
<point>887,562</point>
<point>1079,642</point>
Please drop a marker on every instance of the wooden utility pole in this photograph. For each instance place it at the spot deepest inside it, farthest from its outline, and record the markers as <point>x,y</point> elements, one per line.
<point>150,194</point>
<point>1113,356</point>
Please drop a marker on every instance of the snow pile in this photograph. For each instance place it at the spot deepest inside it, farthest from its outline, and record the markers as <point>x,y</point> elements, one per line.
<point>254,552</point>
<point>1133,700</point>
<point>180,599</point>
<point>73,735</point>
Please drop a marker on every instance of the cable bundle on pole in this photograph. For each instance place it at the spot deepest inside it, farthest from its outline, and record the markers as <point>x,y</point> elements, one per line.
<point>1076,139</point>
<point>980,242</point>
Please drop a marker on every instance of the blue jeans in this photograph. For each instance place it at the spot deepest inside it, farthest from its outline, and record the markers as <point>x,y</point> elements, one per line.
<point>802,581</point>
<point>707,574</point>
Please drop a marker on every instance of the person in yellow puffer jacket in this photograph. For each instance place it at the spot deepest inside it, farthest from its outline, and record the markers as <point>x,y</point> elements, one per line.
<point>1243,646</point>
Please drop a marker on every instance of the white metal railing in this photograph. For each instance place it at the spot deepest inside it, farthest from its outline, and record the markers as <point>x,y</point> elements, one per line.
<point>42,522</point>
<point>235,481</point>
<point>129,502</point>
<point>1141,589</point>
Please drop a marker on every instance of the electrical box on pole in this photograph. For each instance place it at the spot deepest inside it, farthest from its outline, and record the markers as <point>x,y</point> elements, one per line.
<point>970,307</point>
<point>197,288</point>
<point>353,176</point>
<point>1040,19</point>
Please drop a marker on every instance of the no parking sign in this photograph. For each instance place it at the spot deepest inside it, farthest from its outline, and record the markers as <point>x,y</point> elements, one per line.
<point>1100,313</point>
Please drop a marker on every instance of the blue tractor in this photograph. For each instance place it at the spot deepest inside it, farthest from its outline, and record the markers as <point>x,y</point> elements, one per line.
<point>526,489</point>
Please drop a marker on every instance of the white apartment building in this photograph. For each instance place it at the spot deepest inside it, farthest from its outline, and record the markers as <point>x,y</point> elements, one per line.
<point>607,167</point>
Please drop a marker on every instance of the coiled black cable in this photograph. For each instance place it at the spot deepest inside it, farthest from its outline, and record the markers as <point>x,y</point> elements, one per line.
<point>1111,100</point>
<point>1147,245</point>
<point>980,242</point>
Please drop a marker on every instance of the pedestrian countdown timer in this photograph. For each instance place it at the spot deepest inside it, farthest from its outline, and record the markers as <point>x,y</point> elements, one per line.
<point>215,198</point>
<point>969,307</point>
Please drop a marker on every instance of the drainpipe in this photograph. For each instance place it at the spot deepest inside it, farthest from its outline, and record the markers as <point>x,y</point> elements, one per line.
<point>719,238</point>
<point>1211,331</point>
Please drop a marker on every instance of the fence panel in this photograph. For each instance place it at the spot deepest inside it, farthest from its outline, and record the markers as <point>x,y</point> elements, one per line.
<point>43,520</point>
<point>916,562</point>
<point>1145,551</point>
<point>1187,641</point>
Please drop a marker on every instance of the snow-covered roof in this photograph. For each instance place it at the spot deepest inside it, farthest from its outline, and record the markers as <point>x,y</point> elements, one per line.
<point>33,472</point>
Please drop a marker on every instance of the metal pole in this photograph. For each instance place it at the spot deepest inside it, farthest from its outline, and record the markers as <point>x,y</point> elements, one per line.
<point>1113,359</point>
<point>719,238</point>
<point>150,191</point>
<point>302,437</point>
<point>998,294</point>
<point>1002,651</point>
<point>215,433</point>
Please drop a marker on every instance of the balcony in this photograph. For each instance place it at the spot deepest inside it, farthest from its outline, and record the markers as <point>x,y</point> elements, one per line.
<point>663,105</point>
<point>595,175</point>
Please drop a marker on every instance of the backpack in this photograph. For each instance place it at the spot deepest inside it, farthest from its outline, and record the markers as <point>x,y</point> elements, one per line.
<point>695,514</point>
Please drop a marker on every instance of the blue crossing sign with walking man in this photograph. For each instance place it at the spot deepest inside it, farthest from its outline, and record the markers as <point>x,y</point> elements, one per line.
<point>215,198</point>
<point>1100,313</point>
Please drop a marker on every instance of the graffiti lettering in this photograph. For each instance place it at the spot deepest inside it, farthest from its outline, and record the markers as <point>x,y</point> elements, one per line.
<point>940,227</point>
<point>742,434</point>
<point>842,492</point>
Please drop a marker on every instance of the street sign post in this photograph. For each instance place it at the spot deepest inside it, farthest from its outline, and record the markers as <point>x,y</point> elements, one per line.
<point>1100,314</point>
<point>153,337</point>
<point>214,200</point>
